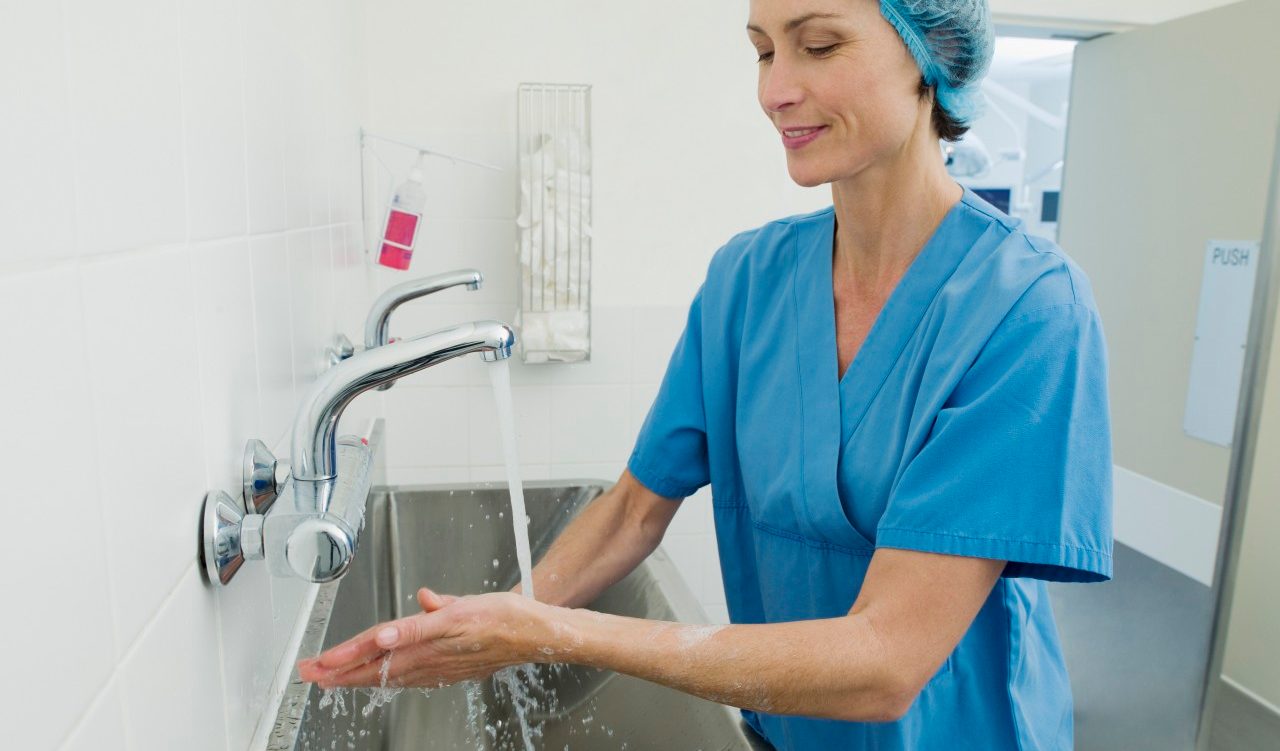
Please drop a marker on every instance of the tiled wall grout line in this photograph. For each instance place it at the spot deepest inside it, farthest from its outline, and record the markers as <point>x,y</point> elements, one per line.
<point>182,127</point>
<point>201,355</point>
<point>101,512</point>
<point>98,697</point>
<point>146,630</point>
<point>77,192</point>
<point>127,655</point>
<point>31,267</point>
<point>97,469</point>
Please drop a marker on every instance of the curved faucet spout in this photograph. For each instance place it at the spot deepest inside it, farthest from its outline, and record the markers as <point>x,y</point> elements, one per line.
<point>377,324</point>
<point>315,428</point>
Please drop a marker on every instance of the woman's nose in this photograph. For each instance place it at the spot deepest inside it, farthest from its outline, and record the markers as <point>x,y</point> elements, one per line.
<point>779,87</point>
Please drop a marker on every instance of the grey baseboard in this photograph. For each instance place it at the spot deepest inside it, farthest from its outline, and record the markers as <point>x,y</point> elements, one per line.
<point>1241,723</point>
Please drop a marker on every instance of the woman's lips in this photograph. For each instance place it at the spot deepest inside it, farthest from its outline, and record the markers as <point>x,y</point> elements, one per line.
<point>794,138</point>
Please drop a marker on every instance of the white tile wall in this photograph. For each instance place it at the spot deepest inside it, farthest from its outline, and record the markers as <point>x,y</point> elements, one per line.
<point>172,680</point>
<point>224,318</point>
<point>179,239</point>
<point>143,375</point>
<point>102,728</point>
<point>213,117</point>
<point>126,106</point>
<point>49,422</point>
<point>36,185</point>
<point>272,332</point>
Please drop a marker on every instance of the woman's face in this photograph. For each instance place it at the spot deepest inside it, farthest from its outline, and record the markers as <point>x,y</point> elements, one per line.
<point>836,66</point>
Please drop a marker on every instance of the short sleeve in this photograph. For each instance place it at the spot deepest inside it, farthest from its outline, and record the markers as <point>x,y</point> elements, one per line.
<point>670,456</point>
<point>1017,466</point>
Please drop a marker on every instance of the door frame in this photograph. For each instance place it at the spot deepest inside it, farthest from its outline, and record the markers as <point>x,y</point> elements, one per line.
<point>1244,448</point>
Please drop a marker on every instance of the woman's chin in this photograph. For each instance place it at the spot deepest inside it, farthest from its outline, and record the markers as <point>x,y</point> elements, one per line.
<point>808,178</point>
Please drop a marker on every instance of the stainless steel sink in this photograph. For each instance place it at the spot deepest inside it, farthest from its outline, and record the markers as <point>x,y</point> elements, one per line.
<point>459,539</point>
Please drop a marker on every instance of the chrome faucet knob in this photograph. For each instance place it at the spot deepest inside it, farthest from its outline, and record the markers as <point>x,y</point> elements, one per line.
<point>221,552</point>
<point>340,349</point>
<point>319,550</point>
<point>263,477</point>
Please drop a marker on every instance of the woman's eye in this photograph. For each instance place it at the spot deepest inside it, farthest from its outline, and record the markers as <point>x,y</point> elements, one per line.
<point>764,57</point>
<point>821,51</point>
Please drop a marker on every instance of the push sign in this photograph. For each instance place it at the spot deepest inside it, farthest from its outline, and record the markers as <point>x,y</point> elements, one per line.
<point>1222,331</point>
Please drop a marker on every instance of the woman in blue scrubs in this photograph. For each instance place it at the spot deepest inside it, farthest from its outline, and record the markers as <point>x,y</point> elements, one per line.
<point>900,405</point>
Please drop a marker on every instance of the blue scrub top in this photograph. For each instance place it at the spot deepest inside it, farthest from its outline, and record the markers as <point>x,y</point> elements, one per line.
<point>973,421</point>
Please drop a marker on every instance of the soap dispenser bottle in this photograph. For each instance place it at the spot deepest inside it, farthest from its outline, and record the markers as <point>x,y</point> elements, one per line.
<point>404,216</point>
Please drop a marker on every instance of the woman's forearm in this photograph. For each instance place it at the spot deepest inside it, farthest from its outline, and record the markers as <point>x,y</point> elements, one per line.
<point>833,668</point>
<point>604,543</point>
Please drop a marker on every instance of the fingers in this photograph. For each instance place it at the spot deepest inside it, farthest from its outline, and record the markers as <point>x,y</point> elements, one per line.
<point>367,675</point>
<point>411,630</point>
<point>420,665</point>
<point>364,648</point>
<point>363,675</point>
<point>432,601</point>
<point>355,651</point>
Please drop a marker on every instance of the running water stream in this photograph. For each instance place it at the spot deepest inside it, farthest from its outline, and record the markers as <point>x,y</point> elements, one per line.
<point>516,680</point>
<point>500,377</point>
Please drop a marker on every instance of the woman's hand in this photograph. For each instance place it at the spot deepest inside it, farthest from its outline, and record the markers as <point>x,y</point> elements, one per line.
<point>453,639</point>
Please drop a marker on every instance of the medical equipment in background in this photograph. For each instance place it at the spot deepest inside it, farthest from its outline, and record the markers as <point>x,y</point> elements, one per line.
<point>970,159</point>
<point>553,149</point>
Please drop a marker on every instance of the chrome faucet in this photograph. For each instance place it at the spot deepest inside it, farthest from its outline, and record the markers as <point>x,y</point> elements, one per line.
<point>377,323</point>
<point>313,526</point>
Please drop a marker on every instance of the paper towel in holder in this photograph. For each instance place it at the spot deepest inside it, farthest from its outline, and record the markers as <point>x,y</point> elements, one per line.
<point>554,222</point>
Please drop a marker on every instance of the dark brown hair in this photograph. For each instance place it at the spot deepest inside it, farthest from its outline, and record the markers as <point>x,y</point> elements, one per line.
<point>949,129</point>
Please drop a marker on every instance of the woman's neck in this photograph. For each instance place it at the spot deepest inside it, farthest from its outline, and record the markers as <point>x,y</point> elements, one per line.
<point>886,213</point>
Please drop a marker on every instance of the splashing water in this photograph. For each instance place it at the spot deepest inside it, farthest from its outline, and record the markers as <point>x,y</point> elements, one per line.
<point>512,685</point>
<point>381,695</point>
<point>500,376</point>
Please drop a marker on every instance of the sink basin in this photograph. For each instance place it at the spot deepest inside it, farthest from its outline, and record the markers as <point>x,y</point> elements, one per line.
<point>459,540</point>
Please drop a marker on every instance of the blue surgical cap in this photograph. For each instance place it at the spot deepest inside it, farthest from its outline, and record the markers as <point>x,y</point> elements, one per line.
<point>952,42</point>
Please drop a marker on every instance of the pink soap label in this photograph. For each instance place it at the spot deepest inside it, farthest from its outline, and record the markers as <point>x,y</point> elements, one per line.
<point>395,256</point>
<point>401,227</point>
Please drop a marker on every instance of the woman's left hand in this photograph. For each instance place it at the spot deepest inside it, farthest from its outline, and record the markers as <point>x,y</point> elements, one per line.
<point>453,639</point>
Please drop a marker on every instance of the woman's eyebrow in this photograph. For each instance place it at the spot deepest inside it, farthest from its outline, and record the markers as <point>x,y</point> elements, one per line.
<point>796,22</point>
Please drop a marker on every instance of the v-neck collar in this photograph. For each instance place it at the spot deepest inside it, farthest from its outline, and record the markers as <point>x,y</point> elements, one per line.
<point>902,312</point>
<point>834,406</point>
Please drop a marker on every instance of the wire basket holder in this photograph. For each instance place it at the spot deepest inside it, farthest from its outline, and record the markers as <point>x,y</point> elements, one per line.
<point>553,199</point>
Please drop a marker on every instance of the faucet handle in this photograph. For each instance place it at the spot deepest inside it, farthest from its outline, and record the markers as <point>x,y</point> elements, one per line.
<point>221,552</point>
<point>229,537</point>
<point>264,477</point>
<point>339,349</point>
<point>319,550</point>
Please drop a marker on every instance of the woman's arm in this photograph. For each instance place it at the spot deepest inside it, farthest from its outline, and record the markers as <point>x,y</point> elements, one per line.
<point>604,543</point>
<point>868,665</point>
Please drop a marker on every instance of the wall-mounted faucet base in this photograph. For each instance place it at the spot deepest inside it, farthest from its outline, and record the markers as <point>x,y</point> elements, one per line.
<point>220,548</point>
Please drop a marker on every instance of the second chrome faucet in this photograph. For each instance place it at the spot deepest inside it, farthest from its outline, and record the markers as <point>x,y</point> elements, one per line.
<point>316,508</point>
<point>377,325</point>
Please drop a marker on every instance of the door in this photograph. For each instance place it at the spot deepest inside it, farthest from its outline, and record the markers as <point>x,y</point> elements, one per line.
<point>1170,142</point>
